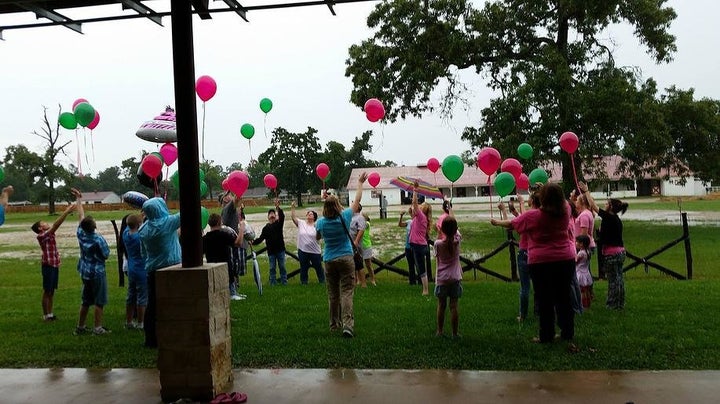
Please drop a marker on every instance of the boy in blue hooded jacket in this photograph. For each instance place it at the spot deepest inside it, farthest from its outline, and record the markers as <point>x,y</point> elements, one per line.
<point>94,251</point>
<point>160,248</point>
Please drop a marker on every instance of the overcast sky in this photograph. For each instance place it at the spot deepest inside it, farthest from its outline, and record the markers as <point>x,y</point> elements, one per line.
<point>295,57</point>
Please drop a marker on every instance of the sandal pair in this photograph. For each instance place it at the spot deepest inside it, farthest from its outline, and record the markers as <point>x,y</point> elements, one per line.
<point>229,398</point>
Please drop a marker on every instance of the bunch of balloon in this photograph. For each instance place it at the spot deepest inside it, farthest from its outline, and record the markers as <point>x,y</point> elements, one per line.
<point>266,105</point>
<point>248,131</point>
<point>569,143</point>
<point>512,167</point>
<point>271,182</point>
<point>322,170</point>
<point>205,87</point>
<point>488,161</point>
<point>86,116</point>
<point>433,165</point>
<point>452,168</point>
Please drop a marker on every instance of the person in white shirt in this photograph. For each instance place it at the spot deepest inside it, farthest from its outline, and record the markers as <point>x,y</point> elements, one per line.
<point>308,246</point>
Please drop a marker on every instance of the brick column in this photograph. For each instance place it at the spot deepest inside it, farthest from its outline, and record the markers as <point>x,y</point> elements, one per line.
<point>193,330</point>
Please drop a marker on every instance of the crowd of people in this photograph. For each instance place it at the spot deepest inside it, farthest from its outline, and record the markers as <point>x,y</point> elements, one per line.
<point>557,242</point>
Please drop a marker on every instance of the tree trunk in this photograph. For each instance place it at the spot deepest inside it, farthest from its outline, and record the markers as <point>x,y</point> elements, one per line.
<point>51,197</point>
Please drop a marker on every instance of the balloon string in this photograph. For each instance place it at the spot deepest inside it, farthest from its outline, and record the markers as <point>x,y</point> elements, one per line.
<point>85,147</point>
<point>250,147</point>
<point>265,125</point>
<point>572,160</point>
<point>490,193</point>
<point>79,160</point>
<point>167,171</point>
<point>155,187</point>
<point>203,132</point>
<point>92,144</point>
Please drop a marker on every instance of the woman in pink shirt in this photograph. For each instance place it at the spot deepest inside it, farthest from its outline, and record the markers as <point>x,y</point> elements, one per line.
<point>551,259</point>
<point>422,216</point>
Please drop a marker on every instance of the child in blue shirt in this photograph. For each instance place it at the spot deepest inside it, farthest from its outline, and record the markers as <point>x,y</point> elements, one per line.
<point>137,295</point>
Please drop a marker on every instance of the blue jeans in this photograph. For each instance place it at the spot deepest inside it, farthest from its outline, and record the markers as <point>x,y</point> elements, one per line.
<point>278,259</point>
<point>419,251</point>
<point>524,273</point>
<point>411,266</point>
<point>308,260</point>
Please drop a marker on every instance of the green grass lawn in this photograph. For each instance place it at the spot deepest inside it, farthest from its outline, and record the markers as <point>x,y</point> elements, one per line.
<point>667,324</point>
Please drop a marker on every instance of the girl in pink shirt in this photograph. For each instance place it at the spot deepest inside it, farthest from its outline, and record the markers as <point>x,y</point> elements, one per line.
<point>551,259</point>
<point>422,216</point>
<point>448,283</point>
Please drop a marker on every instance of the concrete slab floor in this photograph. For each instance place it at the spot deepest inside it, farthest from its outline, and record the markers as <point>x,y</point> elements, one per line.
<point>348,386</point>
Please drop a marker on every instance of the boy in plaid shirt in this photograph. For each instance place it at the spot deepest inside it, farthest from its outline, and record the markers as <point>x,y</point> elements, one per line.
<point>50,259</point>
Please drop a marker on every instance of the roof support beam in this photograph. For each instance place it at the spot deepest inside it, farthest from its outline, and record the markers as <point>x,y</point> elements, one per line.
<point>239,9</point>
<point>52,16</point>
<point>201,8</point>
<point>143,10</point>
<point>330,5</point>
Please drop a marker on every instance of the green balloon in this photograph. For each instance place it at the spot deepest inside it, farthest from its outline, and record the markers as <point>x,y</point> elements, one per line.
<point>203,188</point>
<point>525,151</point>
<point>538,175</point>
<point>204,216</point>
<point>265,105</point>
<point>247,130</point>
<point>67,121</point>
<point>452,167</point>
<point>84,114</point>
<point>201,174</point>
<point>504,184</point>
<point>175,179</point>
<point>2,174</point>
<point>160,156</point>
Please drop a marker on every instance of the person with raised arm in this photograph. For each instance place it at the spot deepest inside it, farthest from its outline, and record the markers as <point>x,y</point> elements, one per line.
<point>309,253</point>
<point>333,227</point>
<point>422,216</point>
<point>50,263</point>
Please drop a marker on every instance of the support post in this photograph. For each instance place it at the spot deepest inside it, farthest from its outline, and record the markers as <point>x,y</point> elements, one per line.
<point>186,119</point>
<point>688,250</point>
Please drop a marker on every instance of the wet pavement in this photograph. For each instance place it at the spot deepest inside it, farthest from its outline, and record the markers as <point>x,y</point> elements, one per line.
<point>348,386</point>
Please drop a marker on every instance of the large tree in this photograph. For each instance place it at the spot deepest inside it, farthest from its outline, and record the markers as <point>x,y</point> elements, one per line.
<point>549,62</point>
<point>54,146</point>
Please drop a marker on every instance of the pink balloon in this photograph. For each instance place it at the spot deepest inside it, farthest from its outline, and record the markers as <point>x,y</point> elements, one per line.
<point>270,181</point>
<point>374,110</point>
<point>522,182</point>
<point>94,123</point>
<point>225,185</point>
<point>488,160</point>
<point>169,153</point>
<point>433,164</point>
<point>513,167</point>
<point>238,182</point>
<point>78,101</point>
<point>569,142</point>
<point>151,165</point>
<point>205,88</point>
<point>373,179</point>
<point>322,170</point>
